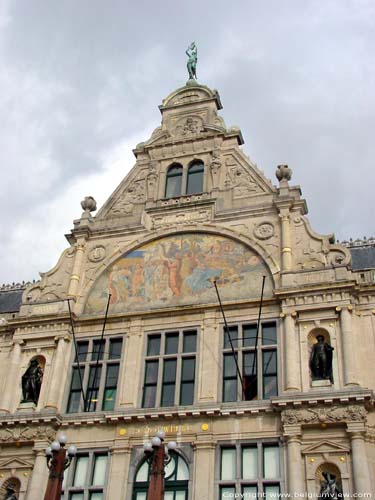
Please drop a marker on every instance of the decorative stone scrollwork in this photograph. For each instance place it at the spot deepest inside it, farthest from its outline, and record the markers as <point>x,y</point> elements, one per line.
<point>264,230</point>
<point>26,434</point>
<point>352,413</point>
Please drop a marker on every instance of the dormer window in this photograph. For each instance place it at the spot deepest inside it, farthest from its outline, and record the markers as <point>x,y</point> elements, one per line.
<point>195,177</point>
<point>174,181</point>
<point>182,180</point>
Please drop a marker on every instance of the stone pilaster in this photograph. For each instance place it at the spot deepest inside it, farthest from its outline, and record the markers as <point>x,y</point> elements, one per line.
<point>361,473</point>
<point>208,366</point>
<point>39,475</point>
<point>120,461</point>
<point>56,387</point>
<point>292,356</point>
<point>286,240</point>
<point>12,378</point>
<point>204,466</point>
<point>131,368</point>
<point>349,347</point>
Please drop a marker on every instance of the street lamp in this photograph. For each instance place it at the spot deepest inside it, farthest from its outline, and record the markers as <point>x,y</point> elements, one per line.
<point>57,462</point>
<point>158,457</point>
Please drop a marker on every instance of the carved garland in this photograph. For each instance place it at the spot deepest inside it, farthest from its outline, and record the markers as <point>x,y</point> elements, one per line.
<point>324,415</point>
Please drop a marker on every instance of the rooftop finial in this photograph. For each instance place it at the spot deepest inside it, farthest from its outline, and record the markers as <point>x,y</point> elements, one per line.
<point>192,53</point>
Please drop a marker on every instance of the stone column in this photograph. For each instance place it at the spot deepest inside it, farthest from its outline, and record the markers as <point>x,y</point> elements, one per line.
<point>129,393</point>
<point>361,473</point>
<point>77,268</point>
<point>292,361</point>
<point>55,388</point>
<point>204,467</point>
<point>39,475</point>
<point>12,381</point>
<point>348,347</point>
<point>286,240</point>
<point>296,484</point>
<point>118,474</point>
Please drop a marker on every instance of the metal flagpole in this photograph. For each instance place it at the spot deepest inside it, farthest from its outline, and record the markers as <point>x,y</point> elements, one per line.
<point>230,339</point>
<point>76,350</point>
<point>88,404</point>
<point>257,333</point>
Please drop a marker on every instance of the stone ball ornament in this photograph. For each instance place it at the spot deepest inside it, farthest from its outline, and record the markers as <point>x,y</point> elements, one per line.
<point>283,172</point>
<point>88,204</point>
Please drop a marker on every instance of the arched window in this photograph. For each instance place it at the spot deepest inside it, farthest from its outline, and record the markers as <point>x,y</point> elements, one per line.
<point>195,177</point>
<point>176,480</point>
<point>174,181</point>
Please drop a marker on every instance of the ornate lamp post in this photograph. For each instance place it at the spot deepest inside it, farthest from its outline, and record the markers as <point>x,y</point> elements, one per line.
<point>57,462</point>
<point>158,457</point>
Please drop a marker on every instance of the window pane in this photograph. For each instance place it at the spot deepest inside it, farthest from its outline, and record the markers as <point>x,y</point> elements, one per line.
<point>151,376</point>
<point>76,380</point>
<point>230,390</point>
<point>249,463</point>
<point>168,495</point>
<point>96,495</point>
<point>98,349</point>
<point>228,463</point>
<point>109,399</point>
<point>141,496</point>
<point>269,363</point>
<point>167,398</point>
<point>270,387</point>
<point>74,399</point>
<point>271,461</point>
<point>80,471</point>
<point>272,492</point>
<point>233,332</point>
<point>180,495</point>
<point>230,369</point>
<point>188,369</point>
<point>171,343</point>
<point>187,393</point>
<point>99,470</point>
<point>174,181</point>
<point>112,375</point>
<point>169,372</point>
<point>190,341</point>
<point>142,474</point>
<point>250,379</point>
<point>170,469</point>
<point>182,470</point>
<point>195,178</point>
<point>82,348</point>
<point>153,345</point>
<point>249,333</point>
<point>269,333</point>
<point>115,347</point>
<point>250,492</point>
<point>149,397</point>
<point>93,387</point>
<point>76,496</point>
<point>227,492</point>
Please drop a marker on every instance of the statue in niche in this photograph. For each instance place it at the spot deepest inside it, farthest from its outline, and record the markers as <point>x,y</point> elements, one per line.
<point>151,181</point>
<point>32,382</point>
<point>215,166</point>
<point>329,487</point>
<point>10,494</point>
<point>321,360</point>
<point>192,53</point>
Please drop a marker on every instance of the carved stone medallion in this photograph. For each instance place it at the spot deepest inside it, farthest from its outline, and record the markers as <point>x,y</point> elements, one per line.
<point>264,230</point>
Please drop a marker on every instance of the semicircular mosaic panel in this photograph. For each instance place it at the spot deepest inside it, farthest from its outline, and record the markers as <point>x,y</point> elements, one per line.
<point>180,270</point>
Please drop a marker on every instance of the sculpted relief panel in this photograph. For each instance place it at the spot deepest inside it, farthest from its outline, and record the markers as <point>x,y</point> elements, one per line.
<point>180,270</point>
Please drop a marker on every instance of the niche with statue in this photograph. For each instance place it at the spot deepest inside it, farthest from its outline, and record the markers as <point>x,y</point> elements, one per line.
<point>321,358</point>
<point>31,381</point>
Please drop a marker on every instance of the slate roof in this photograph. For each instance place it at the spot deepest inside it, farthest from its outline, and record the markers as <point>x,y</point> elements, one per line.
<point>363,257</point>
<point>10,301</point>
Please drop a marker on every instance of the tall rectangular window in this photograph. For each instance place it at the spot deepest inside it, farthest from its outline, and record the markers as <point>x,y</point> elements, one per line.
<point>170,366</point>
<point>256,358</point>
<point>250,469</point>
<point>86,477</point>
<point>99,365</point>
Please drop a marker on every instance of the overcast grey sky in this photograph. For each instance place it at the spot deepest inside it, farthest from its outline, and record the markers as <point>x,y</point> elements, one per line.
<point>80,82</point>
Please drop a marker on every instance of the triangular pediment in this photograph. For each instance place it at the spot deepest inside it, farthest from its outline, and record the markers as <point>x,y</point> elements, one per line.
<point>325,447</point>
<point>15,463</point>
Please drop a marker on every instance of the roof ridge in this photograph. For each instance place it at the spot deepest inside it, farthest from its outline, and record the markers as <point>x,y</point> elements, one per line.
<point>10,287</point>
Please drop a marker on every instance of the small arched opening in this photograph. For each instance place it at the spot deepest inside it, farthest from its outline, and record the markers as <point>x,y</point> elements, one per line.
<point>195,177</point>
<point>173,184</point>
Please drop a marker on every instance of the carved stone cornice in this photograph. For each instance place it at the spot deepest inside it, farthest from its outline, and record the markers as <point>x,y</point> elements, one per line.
<point>322,415</point>
<point>19,434</point>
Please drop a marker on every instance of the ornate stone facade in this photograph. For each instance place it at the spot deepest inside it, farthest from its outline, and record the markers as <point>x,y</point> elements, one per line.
<point>156,258</point>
